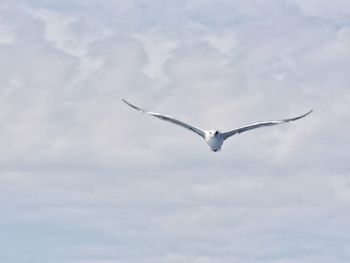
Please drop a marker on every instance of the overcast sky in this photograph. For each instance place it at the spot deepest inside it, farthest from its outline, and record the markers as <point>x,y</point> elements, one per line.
<point>86,179</point>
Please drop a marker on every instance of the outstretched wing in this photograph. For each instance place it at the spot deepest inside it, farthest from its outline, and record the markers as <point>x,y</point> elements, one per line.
<point>163,117</point>
<point>228,134</point>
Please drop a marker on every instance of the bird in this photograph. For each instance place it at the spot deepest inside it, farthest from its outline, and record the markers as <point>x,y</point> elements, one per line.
<point>215,138</point>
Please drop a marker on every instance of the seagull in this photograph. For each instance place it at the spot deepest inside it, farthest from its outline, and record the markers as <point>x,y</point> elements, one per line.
<point>215,138</point>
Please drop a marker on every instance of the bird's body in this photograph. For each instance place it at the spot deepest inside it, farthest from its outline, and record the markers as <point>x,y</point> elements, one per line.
<point>214,138</point>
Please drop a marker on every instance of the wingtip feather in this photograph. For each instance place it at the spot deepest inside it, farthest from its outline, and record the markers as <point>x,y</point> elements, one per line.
<point>309,112</point>
<point>133,106</point>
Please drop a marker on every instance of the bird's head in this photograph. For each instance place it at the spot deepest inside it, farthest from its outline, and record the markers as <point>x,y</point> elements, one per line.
<point>214,133</point>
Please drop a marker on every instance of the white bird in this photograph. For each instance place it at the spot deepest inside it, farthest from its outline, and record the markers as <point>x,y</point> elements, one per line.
<point>215,138</point>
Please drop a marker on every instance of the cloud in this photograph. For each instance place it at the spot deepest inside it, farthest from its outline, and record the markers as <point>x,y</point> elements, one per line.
<point>86,179</point>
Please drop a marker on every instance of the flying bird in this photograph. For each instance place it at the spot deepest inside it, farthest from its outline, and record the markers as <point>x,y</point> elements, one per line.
<point>215,138</point>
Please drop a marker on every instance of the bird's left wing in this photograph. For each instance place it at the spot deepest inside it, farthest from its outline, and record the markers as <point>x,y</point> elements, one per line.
<point>168,118</point>
<point>228,134</point>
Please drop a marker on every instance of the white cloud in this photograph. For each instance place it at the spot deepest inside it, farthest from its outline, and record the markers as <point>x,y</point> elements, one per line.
<point>86,179</point>
<point>6,36</point>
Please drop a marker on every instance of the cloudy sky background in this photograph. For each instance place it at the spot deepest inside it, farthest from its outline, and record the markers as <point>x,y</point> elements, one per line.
<point>85,179</point>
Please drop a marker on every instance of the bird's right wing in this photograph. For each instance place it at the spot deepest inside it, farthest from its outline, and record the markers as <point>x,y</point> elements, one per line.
<point>168,118</point>
<point>260,124</point>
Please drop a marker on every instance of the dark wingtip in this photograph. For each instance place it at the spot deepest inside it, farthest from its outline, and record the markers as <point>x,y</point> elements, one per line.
<point>301,116</point>
<point>128,103</point>
<point>133,106</point>
<point>309,112</point>
<point>304,115</point>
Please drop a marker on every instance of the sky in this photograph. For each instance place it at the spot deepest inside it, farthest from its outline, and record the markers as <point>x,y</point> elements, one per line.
<point>86,179</point>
